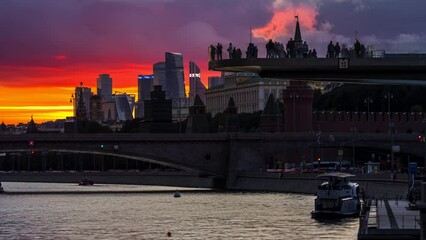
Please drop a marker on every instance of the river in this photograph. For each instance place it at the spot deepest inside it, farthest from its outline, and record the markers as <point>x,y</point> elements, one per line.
<point>151,215</point>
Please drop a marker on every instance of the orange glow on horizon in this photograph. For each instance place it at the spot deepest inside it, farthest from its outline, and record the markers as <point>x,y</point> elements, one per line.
<point>282,22</point>
<point>45,93</point>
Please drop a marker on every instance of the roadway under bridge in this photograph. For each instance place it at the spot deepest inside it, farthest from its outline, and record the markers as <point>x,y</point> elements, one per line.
<point>222,156</point>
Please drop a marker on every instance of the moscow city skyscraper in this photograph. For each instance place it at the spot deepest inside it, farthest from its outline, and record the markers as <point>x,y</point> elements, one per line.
<point>145,86</point>
<point>159,70</point>
<point>170,76</point>
<point>104,87</point>
<point>196,87</point>
<point>175,82</point>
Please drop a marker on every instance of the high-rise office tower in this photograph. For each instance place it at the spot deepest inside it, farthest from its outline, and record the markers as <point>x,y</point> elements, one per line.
<point>159,70</point>
<point>104,87</point>
<point>87,93</point>
<point>196,87</point>
<point>145,86</point>
<point>96,108</point>
<point>175,82</point>
<point>124,106</point>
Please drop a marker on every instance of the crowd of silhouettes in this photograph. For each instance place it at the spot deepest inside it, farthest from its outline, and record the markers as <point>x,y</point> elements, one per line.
<point>216,52</point>
<point>292,50</point>
<point>336,51</point>
<point>251,51</point>
<point>233,52</point>
<point>359,49</point>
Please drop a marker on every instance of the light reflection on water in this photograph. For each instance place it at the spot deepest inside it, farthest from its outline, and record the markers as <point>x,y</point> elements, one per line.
<point>208,215</point>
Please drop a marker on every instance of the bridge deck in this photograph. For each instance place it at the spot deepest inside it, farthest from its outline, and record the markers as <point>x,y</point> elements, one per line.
<point>365,70</point>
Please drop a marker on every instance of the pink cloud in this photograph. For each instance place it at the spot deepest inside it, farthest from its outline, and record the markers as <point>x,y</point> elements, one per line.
<point>282,22</point>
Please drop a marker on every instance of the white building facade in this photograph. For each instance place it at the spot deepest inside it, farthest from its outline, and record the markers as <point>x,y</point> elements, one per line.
<point>250,92</point>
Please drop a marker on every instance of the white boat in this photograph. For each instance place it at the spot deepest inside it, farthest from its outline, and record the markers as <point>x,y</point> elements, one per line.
<point>338,197</point>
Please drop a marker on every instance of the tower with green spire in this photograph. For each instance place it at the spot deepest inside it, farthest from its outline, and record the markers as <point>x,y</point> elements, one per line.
<point>81,113</point>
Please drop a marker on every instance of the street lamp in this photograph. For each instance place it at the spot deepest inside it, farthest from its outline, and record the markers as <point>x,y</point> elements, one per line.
<point>368,100</point>
<point>353,130</point>
<point>389,96</point>
<point>72,101</point>
<point>424,134</point>
<point>294,97</point>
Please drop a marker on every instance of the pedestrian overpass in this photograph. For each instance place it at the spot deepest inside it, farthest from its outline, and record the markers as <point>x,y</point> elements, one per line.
<point>392,70</point>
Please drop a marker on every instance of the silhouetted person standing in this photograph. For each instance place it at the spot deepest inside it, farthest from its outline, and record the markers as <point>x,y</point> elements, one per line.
<point>357,48</point>
<point>314,53</point>
<point>330,50</point>
<point>239,53</point>
<point>362,51</point>
<point>291,48</point>
<point>337,50</point>
<point>219,51</point>
<point>304,49</point>
<point>212,52</point>
<point>234,53</point>
<point>230,50</point>
<point>269,48</point>
<point>345,51</point>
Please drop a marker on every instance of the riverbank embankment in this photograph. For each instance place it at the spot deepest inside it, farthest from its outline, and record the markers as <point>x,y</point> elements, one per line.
<point>373,184</point>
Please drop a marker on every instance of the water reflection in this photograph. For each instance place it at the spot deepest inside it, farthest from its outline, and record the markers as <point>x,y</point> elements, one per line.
<point>208,215</point>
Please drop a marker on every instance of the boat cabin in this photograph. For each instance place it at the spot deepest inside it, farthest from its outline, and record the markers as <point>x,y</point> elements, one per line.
<point>338,185</point>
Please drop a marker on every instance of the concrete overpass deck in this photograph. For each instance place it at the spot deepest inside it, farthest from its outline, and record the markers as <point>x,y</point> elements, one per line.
<point>407,70</point>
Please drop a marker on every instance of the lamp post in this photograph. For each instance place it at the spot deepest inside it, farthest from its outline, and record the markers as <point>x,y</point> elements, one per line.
<point>72,101</point>
<point>294,97</point>
<point>353,129</point>
<point>389,96</point>
<point>368,100</point>
<point>424,134</point>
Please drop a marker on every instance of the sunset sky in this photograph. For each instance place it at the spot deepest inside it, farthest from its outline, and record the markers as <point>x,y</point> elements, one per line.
<point>48,46</point>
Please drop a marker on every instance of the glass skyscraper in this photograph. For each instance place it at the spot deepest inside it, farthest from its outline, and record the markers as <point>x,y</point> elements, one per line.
<point>175,82</point>
<point>159,70</point>
<point>145,86</point>
<point>104,87</point>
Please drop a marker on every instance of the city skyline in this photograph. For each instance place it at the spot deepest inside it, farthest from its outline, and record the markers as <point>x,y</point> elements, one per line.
<point>48,47</point>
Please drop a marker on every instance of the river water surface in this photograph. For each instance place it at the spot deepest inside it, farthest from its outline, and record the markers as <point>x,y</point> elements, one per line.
<point>196,215</point>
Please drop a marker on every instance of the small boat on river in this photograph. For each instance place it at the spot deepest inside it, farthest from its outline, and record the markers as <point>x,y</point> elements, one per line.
<point>177,194</point>
<point>85,182</point>
<point>337,197</point>
<point>1,188</point>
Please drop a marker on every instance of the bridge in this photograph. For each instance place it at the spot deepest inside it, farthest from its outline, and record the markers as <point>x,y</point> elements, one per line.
<point>392,70</point>
<point>222,155</point>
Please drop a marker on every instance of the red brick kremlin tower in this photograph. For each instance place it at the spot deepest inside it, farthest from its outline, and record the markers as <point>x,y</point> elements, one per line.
<point>298,98</point>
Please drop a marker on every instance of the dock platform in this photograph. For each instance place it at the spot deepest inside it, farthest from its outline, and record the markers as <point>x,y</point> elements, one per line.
<point>389,219</point>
